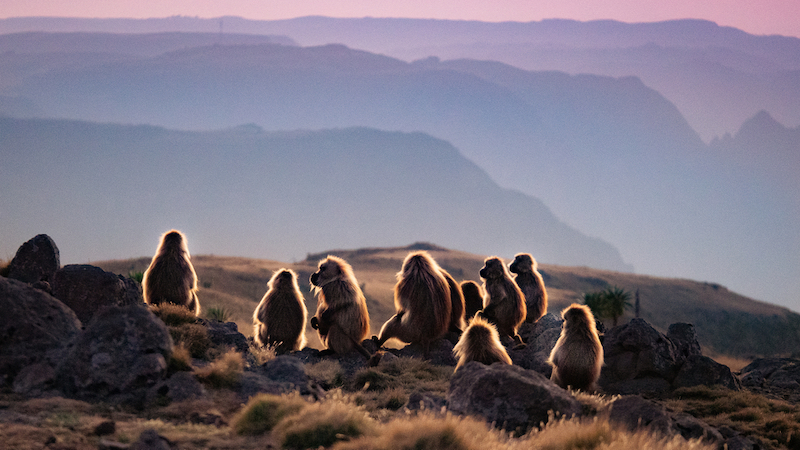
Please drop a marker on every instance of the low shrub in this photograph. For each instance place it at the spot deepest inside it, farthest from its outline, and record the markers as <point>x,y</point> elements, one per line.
<point>264,411</point>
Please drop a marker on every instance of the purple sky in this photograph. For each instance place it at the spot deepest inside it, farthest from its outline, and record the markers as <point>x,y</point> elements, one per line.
<point>756,17</point>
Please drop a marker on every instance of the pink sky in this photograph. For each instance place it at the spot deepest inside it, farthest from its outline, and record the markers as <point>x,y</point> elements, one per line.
<point>753,16</point>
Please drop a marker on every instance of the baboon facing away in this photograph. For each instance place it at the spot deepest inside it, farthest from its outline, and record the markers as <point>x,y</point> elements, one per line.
<point>531,284</point>
<point>342,319</point>
<point>473,298</point>
<point>480,342</point>
<point>457,303</point>
<point>422,301</point>
<point>504,303</point>
<point>280,318</point>
<point>578,355</point>
<point>171,278</point>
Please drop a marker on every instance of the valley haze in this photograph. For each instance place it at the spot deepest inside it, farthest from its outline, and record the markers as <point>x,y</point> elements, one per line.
<point>593,164</point>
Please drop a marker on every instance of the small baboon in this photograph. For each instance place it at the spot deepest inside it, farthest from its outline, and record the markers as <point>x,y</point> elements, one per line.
<point>457,303</point>
<point>422,301</point>
<point>171,277</point>
<point>578,355</point>
<point>473,298</point>
<point>280,318</point>
<point>342,319</point>
<point>504,303</point>
<point>531,284</point>
<point>480,342</point>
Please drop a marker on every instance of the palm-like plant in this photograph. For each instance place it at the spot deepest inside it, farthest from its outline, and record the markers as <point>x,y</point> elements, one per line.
<point>610,303</point>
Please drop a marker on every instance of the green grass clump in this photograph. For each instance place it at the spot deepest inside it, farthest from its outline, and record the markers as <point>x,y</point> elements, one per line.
<point>322,424</point>
<point>223,372</point>
<point>136,275</point>
<point>264,411</point>
<point>218,313</point>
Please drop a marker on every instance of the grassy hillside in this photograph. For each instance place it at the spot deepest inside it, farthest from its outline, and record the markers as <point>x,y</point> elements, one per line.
<point>727,323</point>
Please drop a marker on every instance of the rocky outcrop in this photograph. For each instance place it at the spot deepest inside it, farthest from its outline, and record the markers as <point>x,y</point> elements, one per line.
<point>34,328</point>
<point>36,262</point>
<point>511,397</point>
<point>540,338</point>
<point>121,353</point>
<point>86,289</point>
<point>225,334</point>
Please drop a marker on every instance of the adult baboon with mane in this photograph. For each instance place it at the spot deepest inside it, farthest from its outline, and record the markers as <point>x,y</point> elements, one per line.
<point>280,318</point>
<point>341,319</point>
<point>422,301</point>
<point>171,278</point>
<point>480,342</point>
<point>504,303</point>
<point>531,284</point>
<point>473,298</point>
<point>578,355</point>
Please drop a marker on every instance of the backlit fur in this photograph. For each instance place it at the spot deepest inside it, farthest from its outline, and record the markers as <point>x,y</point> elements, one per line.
<point>280,318</point>
<point>480,342</point>
<point>531,284</point>
<point>504,303</point>
<point>578,355</point>
<point>171,278</point>
<point>473,298</point>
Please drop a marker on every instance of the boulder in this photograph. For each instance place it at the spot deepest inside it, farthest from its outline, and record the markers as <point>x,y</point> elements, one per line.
<point>769,372</point>
<point>684,337</point>
<point>508,396</point>
<point>701,370</point>
<point>34,329</point>
<point>181,386</point>
<point>440,352</point>
<point>226,334</point>
<point>36,261</point>
<point>86,289</point>
<point>635,412</point>
<point>121,353</point>
<point>540,338</point>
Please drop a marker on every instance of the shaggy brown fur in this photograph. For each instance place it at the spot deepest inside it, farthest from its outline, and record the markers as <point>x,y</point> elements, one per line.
<point>422,301</point>
<point>578,354</point>
<point>480,342</point>
<point>280,318</point>
<point>342,319</point>
<point>171,277</point>
<point>473,298</point>
<point>504,303</point>
<point>531,284</point>
<point>457,303</point>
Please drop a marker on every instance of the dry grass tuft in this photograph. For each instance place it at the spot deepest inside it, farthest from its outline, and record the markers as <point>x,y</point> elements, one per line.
<point>180,360</point>
<point>264,411</point>
<point>263,354</point>
<point>173,315</point>
<point>192,336</point>
<point>327,373</point>
<point>223,372</point>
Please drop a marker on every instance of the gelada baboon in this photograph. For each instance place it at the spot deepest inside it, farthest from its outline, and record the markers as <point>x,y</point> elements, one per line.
<point>280,318</point>
<point>456,303</point>
<point>503,302</point>
<point>422,301</point>
<point>480,342</point>
<point>531,284</point>
<point>342,319</point>
<point>578,354</point>
<point>171,277</point>
<point>473,298</point>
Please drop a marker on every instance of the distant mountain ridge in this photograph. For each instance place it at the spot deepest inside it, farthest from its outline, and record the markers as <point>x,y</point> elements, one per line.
<point>108,190</point>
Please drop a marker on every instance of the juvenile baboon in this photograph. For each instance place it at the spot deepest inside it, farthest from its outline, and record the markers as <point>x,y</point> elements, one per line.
<point>456,303</point>
<point>531,284</point>
<point>473,298</point>
<point>578,355</point>
<point>480,342</point>
<point>171,277</point>
<point>422,301</point>
<point>342,319</point>
<point>504,303</point>
<point>280,318</point>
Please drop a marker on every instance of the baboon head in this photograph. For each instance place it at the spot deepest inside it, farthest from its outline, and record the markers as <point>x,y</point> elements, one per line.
<point>577,317</point>
<point>173,241</point>
<point>417,261</point>
<point>493,267</point>
<point>329,269</point>
<point>282,277</point>
<point>523,262</point>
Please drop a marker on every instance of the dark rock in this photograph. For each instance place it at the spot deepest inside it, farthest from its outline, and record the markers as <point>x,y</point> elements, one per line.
<point>151,440</point>
<point>121,353</point>
<point>226,334</point>
<point>419,400</point>
<point>36,260</point>
<point>510,397</point>
<point>440,352</point>
<point>644,385</point>
<point>779,372</point>
<point>735,441</point>
<point>105,428</point>
<point>634,351</point>
<point>540,343</point>
<point>179,387</point>
<point>34,328</point>
<point>35,379</point>
<point>635,412</point>
<point>701,370</point>
<point>86,289</point>
<point>684,337</point>
<point>286,369</point>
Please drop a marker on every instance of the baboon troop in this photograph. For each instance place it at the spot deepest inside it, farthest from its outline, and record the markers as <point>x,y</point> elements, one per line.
<point>473,298</point>
<point>342,319</point>
<point>480,342</point>
<point>531,284</point>
<point>170,278</point>
<point>422,301</point>
<point>280,318</point>
<point>578,354</point>
<point>504,303</point>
